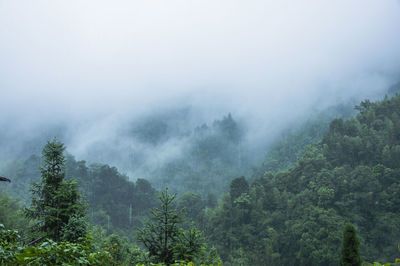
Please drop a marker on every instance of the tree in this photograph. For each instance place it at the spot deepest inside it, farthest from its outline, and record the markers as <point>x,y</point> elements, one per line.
<point>350,252</point>
<point>194,208</point>
<point>160,234</point>
<point>164,237</point>
<point>238,186</point>
<point>11,213</point>
<point>55,201</point>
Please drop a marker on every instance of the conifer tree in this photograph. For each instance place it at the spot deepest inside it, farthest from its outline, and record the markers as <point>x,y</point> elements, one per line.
<point>164,237</point>
<point>55,201</point>
<point>350,251</point>
<point>160,233</point>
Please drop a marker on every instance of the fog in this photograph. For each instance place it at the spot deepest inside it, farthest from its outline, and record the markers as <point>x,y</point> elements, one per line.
<point>84,70</point>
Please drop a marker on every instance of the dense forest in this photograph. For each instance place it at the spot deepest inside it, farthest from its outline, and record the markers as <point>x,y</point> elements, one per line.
<point>200,133</point>
<point>292,209</point>
<point>350,175</point>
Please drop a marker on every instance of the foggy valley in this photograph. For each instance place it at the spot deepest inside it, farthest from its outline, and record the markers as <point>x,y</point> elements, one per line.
<point>275,123</point>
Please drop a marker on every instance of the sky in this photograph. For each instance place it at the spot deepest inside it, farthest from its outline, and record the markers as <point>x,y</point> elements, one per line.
<point>87,60</point>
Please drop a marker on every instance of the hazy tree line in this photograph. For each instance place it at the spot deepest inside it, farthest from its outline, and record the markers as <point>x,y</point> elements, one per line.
<point>212,155</point>
<point>291,211</point>
<point>114,202</point>
<point>56,231</point>
<point>296,216</point>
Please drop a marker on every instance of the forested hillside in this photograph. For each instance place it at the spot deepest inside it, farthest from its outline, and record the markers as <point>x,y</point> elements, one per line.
<point>57,227</point>
<point>293,216</point>
<point>114,203</point>
<point>211,157</point>
<point>287,150</point>
<point>200,133</point>
<point>296,216</point>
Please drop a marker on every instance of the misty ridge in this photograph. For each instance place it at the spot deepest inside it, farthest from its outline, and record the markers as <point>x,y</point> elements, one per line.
<point>136,105</point>
<point>312,167</point>
<point>185,148</point>
<point>128,86</point>
<point>180,148</point>
<point>254,132</point>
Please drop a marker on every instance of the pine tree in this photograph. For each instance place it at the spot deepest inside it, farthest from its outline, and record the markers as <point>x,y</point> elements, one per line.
<point>164,237</point>
<point>55,201</point>
<point>350,251</point>
<point>160,233</point>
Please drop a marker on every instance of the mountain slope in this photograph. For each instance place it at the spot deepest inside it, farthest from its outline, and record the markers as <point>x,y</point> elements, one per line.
<point>296,216</point>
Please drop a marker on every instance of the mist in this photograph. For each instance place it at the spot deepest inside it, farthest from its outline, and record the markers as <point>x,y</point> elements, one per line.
<point>88,71</point>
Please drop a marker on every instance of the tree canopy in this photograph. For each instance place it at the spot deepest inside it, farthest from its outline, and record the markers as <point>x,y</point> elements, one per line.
<point>55,202</point>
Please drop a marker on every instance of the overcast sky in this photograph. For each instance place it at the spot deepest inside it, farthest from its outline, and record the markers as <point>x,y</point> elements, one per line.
<point>83,58</point>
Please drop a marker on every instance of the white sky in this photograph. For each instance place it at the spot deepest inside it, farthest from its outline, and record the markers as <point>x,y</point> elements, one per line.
<point>83,57</point>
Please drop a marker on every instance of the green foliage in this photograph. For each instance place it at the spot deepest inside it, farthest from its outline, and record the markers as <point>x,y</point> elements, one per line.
<point>286,151</point>
<point>8,245</point>
<point>189,246</point>
<point>74,229</point>
<point>397,261</point>
<point>291,217</point>
<point>238,187</point>
<point>11,213</point>
<point>123,252</point>
<point>163,236</point>
<point>350,254</point>
<point>63,253</point>
<point>193,207</point>
<point>137,256</point>
<point>160,234</point>
<point>13,252</point>
<point>386,264</point>
<point>114,202</point>
<point>296,216</point>
<point>54,200</point>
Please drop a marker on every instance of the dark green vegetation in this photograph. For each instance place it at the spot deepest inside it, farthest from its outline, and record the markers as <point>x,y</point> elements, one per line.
<point>166,240</point>
<point>350,251</point>
<point>289,211</point>
<point>113,202</point>
<point>161,234</point>
<point>56,207</point>
<point>58,230</point>
<point>294,141</point>
<point>13,252</point>
<point>296,216</point>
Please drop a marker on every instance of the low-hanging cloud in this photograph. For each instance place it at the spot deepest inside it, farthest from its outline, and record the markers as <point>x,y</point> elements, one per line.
<point>82,61</point>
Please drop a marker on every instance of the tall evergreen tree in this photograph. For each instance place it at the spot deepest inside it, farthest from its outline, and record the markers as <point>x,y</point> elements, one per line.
<point>55,201</point>
<point>350,251</point>
<point>164,237</point>
<point>160,234</point>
